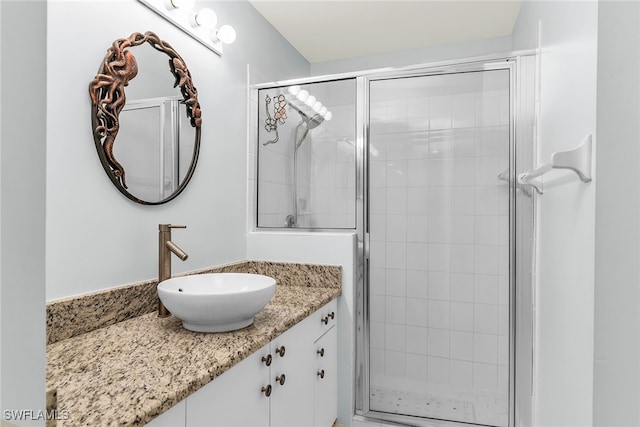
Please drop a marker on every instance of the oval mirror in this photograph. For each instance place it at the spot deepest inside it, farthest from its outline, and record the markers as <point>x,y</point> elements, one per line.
<point>157,123</point>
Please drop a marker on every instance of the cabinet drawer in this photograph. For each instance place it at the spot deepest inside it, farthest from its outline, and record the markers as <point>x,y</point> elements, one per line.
<point>324,319</point>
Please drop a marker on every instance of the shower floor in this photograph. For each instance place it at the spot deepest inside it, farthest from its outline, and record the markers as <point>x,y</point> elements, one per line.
<point>460,407</point>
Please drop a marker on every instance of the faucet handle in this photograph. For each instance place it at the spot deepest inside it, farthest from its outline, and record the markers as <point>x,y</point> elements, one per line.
<point>168,227</point>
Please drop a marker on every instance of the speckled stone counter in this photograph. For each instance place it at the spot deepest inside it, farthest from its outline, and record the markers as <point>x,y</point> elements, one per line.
<point>129,372</point>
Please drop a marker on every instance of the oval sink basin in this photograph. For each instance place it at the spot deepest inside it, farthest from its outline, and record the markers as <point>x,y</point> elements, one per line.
<point>216,302</point>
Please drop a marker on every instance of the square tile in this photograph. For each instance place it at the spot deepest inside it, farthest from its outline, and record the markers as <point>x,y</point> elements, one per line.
<point>438,314</point>
<point>485,348</point>
<point>439,342</point>
<point>439,285</point>
<point>417,312</point>
<point>396,282</point>
<point>395,337</point>
<point>462,316</point>
<point>417,284</point>
<point>417,256</point>
<point>462,287</point>
<point>438,370</point>
<point>485,318</point>
<point>395,310</point>
<point>417,340</point>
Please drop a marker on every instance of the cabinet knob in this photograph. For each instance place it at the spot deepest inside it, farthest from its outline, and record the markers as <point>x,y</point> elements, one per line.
<point>332,315</point>
<point>281,351</point>
<point>320,352</point>
<point>321,373</point>
<point>280,379</point>
<point>267,390</point>
<point>325,320</point>
<point>267,359</point>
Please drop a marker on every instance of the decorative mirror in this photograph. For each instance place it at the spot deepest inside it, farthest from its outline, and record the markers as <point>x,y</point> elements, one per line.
<point>157,123</point>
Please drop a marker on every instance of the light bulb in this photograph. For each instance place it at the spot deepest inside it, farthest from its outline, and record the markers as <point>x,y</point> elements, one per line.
<point>317,107</point>
<point>328,116</point>
<point>294,90</point>
<point>323,111</point>
<point>206,18</point>
<point>303,95</point>
<point>310,101</point>
<point>182,4</point>
<point>226,34</point>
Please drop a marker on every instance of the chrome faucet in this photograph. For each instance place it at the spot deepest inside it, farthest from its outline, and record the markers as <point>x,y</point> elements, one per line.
<point>166,246</point>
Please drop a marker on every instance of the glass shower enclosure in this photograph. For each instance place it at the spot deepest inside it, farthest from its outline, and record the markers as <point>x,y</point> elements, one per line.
<point>307,156</point>
<point>421,164</point>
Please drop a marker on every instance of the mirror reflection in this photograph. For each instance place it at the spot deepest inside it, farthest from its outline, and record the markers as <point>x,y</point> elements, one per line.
<point>157,122</point>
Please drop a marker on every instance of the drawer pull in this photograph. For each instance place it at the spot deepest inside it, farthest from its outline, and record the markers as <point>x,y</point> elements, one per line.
<point>332,315</point>
<point>321,373</point>
<point>267,360</point>
<point>325,320</point>
<point>267,390</point>
<point>281,351</point>
<point>280,379</point>
<point>321,352</point>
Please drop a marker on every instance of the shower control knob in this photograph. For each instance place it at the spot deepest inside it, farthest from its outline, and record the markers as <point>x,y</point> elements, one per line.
<point>267,359</point>
<point>321,352</point>
<point>280,351</point>
<point>267,390</point>
<point>280,379</point>
<point>321,373</point>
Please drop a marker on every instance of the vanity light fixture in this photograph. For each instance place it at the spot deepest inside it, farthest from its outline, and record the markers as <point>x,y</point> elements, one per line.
<point>205,18</point>
<point>198,23</point>
<point>182,4</point>
<point>301,98</point>
<point>226,34</point>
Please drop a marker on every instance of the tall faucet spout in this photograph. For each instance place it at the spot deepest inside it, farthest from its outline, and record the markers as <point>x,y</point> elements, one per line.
<point>166,247</point>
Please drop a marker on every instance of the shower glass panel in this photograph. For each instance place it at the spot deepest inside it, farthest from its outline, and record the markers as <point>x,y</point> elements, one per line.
<point>439,221</point>
<point>307,156</point>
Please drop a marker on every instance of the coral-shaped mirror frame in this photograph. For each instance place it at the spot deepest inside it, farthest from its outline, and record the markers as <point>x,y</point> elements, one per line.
<point>108,99</point>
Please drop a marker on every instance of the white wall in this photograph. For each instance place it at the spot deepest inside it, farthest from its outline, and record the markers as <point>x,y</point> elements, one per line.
<point>96,238</point>
<point>617,309</point>
<point>565,277</point>
<point>322,248</point>
<point>22,214</point>
<point>414,56</point>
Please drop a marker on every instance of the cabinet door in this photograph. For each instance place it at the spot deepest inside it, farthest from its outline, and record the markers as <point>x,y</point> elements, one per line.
<point>292,401</point>
<point>235,399</point>
<point>174,417</point>
<point>326,379</point>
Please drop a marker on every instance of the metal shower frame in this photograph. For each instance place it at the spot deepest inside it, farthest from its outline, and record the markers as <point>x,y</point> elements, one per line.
<point>523,69</point>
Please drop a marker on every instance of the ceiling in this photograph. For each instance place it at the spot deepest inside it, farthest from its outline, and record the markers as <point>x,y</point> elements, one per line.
<point>326,30</point>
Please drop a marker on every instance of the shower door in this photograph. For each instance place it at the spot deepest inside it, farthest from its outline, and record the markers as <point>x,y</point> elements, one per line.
<point>438,245</point>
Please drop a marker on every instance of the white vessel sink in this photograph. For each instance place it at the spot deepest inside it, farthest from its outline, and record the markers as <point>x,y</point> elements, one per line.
<point>216,302</point>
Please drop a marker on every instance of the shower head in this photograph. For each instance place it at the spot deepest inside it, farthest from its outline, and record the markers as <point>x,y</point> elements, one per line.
<point>314,122</point>
<point>311,122</point>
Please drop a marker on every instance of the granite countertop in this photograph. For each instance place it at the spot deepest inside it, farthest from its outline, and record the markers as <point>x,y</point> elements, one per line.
<point>130,372</point>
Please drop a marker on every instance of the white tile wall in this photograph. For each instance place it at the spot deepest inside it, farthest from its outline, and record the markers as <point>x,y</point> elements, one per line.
<point>439,236</point>
<point>326,163</point>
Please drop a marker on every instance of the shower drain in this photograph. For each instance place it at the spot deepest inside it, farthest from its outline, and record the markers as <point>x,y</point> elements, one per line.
<point>421,405</point>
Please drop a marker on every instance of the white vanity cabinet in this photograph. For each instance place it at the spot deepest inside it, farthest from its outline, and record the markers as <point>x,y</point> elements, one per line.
<point>325,388</point>
<point>292,396</point>
<point>237,398</point>
<point>290,382</point>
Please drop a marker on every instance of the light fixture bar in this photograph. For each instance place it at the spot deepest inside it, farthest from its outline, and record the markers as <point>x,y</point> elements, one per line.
<point>181,19</point>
